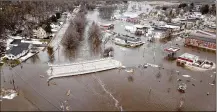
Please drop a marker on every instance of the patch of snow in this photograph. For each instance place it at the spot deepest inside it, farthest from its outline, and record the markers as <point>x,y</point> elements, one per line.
<point>152,65</point>
<point>26,56</point>
<point>16,37</point>
<point>8,94</point>
<point>32,42</point>
<point>129,70</point>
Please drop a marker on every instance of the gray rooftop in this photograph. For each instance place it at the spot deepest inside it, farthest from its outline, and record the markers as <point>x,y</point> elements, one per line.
<point>15,50</point>
<point>205,36</point>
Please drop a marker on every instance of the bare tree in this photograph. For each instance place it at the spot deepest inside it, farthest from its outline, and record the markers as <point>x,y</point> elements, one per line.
<point>80,22</point>
<point>94,35</point>
<point>90,6</point>
<point>107,52</point>
<point>71,38</point>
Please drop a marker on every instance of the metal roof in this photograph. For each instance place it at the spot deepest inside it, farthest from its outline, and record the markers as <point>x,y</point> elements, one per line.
<point>204,36</point>
<point>15,50</point>
<point>128,38</point>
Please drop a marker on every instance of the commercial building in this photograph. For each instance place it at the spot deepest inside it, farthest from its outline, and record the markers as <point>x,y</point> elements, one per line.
<point>201,39</point>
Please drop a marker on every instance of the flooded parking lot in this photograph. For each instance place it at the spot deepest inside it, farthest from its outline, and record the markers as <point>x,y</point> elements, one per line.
<point>147,89</point>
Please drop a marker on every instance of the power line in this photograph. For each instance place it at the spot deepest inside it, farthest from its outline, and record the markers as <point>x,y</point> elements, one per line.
<point>35,90</point>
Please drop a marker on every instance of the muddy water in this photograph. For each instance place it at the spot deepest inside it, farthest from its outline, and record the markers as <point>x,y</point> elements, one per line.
<point>114,89</point>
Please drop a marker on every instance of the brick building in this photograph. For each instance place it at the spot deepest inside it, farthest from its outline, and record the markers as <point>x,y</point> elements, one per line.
<point>201,39</point>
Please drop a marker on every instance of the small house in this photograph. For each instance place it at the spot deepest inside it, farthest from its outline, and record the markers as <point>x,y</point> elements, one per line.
<point>106,26</point>
<point>187,58</point>
<point>39,33</point>
<point>18,49</point>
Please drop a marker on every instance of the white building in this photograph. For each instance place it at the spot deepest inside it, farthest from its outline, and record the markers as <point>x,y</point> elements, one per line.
<point>40,33</point>
<point>18,49</point>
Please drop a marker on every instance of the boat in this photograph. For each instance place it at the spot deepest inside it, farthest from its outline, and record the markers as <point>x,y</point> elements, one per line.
<point>182,87</point>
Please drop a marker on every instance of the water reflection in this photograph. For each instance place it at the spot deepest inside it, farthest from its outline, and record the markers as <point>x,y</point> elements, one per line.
<point>50,53</point>
<point>34,59</point>
<point>130,78</point>
<point>70,54</point>
<point>158,75</point>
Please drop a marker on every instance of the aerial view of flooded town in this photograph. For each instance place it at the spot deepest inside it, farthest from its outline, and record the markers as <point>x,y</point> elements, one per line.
<point>67,55</point>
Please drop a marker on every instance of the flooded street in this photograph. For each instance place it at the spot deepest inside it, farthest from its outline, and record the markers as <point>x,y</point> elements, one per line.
<point>144,89</point>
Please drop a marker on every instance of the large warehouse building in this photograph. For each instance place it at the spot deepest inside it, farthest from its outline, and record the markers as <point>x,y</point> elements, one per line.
<point>201,39</point>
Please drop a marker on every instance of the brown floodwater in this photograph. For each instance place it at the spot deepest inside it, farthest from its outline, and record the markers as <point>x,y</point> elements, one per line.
<point>146,89</point>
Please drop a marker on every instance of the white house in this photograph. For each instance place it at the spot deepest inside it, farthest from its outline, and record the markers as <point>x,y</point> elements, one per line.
<point>130,29</point>
<point>18,49</point>
<point>40,33</point>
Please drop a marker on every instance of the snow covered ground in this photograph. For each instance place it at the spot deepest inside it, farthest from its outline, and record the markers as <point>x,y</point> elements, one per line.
<point>27,56</point>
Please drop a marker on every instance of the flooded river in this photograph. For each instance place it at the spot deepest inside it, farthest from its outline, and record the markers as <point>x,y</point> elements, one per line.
<point>147,89</point>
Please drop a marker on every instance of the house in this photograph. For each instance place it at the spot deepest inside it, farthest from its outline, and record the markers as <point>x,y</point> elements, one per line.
<point>179,26</point>
<point>106,26</point>
<point>187,59</point>
<point>17,49</point>
<point>54,28</point>
<point>130,29</point>
<point>39,33</point>
<point>201,39</point>
<point>190,22</point>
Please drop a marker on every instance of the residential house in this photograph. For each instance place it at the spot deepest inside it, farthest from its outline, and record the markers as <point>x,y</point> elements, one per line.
<point>201,39</point>
<point>106,26</point>
<point>17,49</point>
<point>39,33</point>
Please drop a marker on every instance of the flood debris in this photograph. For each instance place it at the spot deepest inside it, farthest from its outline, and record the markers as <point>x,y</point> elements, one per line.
<point>8,94</point>
<point>186,75</point>
<point>168,90</point>
<point>188,80</point>
<point>145,66</point>
<point>182,87</point>
<point>179,79</point>
<point>181,103</point>
<point>177,72</point>
<point>158,75</point>
<point>152,65</point>
<point>129,70</point>
<point>54,83</point>
<point>123,67</point>
<point>211,84</point>
<point>41,76</point>
<point>193,84</point>
<point>68,93</point>
<point>130,79</point>
<point>62,106</point>
<point>67,108</point>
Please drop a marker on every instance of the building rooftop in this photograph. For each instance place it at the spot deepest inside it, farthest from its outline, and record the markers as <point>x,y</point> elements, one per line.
<point>15,50</point>
<point>189,56</point>
<point>202,35</point>
<point>128,38</point>
<point>16,41</point>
